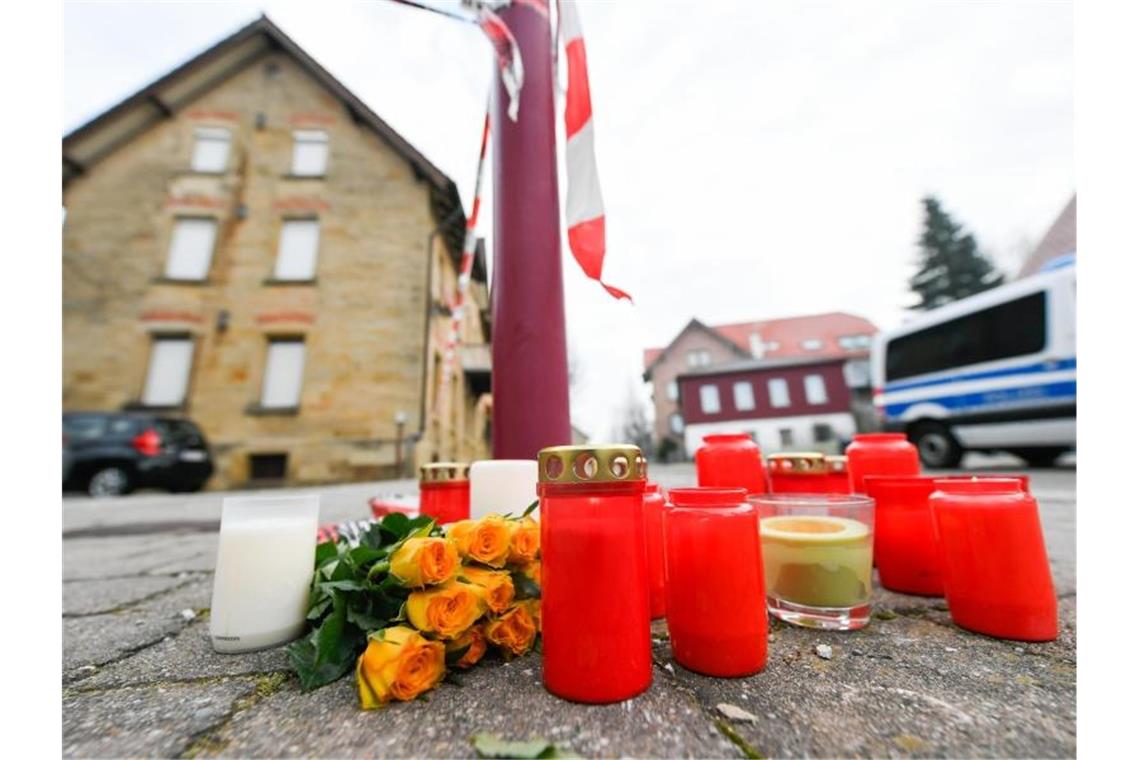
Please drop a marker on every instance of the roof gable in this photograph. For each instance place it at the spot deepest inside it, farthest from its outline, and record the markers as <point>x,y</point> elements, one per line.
<point>654,356</point>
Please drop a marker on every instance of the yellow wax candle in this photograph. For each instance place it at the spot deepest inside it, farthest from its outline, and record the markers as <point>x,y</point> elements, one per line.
<point>817,560</point>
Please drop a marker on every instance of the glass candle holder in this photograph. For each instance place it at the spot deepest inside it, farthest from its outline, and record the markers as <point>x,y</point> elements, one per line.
<point>880,454</point>
<point>798,472</point>
<point>995,569</point>
<point>817,558</point>
<point>595,583</point>
<point>499,486</point>
<point>715,572</point>
<point>654,514</point>
<point>266,550</point>
<point>445,492</point>
<point>838,479</point>
<point>906,547</point>
<point>731,460</point>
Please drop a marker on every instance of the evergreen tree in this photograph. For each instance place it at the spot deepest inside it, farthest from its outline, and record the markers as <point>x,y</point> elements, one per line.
<point>951,266</point>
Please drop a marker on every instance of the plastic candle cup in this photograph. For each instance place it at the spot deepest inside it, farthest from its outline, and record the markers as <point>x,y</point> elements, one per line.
<point>906,547</point>
<point>731,460</point>
<point>838,479</point>
<point>798,472</point>
<point>595,585</point>
<point>499,486</point>
<point>266,550</point>
<point>718,619</point>
<point>880,454</point>
<point>654,506</point>
<point>817,558</point>
<point>445,492</point>
<point>994,566</point>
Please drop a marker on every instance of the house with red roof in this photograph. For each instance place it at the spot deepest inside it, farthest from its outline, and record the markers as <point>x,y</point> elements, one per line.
<point>837,341</point>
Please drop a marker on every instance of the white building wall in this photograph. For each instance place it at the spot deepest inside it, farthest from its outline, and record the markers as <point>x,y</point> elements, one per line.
<point>766,432</point>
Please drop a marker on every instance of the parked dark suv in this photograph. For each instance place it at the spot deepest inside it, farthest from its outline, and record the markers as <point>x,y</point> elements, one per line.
<point>112,453</point>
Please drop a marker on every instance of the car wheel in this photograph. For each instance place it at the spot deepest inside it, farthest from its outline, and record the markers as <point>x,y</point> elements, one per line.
<point>937,446</point>
<point>109,481</point>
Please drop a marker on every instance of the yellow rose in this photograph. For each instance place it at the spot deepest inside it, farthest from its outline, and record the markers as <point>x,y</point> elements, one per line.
<point>534,607</point>
<point>447,610</point>
<point>533,570</point>
<point>513,632</point>
<point>496,586</point>
<point>487,540</point>
<point>476,644</point>
<point>400,664</point>
<point>422,562</point>
<point>524,541</point>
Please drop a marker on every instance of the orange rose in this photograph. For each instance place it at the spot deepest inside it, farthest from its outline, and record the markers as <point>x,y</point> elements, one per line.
<point>496,586</point>
<point>534,607</point>
<point>513,632</point>
<point>533,570</point>
<point>447,610</point>
<point>400,664</point>
<point>524,541</point>
<point>475,643</point>
<point>487,541</point>
<point>422,562</point>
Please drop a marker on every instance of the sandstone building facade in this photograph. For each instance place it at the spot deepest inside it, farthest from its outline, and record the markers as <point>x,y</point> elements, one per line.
<point>248,245</point>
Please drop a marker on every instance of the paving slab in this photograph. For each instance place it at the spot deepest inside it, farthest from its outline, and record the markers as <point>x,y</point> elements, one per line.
<point>148,721</point>
<point>89,597</point>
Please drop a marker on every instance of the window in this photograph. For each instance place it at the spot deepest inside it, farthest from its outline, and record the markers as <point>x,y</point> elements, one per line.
<point>310,152</point>
<point>756,344</point>
<point>854,342</point>
<point>710,399</point>
<point>676,423</point>
<point>786,439</point>
<point>1014,328</point>
<point>284,368</point>
<point>811,344</point>
<point>822,433</point>
<point>268,466</point>
<point>778,392</point>
<point>191,248</point>
<point>698,357</point>
<point>671,390</point>
<point>742,397</point>
<point>168,375</point>
<point>815,389</point>
<point>771,345</point>
<point>297,250</point>
<point>211,149</point>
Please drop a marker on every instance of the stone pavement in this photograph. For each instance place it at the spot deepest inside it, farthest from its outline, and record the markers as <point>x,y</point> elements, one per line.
<point>140,678</point>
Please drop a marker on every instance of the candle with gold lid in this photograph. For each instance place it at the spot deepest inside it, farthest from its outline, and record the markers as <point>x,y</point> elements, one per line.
<point>445,491</point>
<point>797,472</point>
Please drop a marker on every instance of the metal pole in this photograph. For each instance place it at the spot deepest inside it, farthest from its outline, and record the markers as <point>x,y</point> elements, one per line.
<point>529,381</point>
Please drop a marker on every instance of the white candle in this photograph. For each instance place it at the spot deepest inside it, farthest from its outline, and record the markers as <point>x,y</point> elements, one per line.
<point>503,485</point>
<point>264,568</point>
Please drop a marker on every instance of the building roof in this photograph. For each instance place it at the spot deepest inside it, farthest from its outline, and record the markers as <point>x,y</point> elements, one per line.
<point>652,355</point>
<point>1060,240</point>
<point>749,365</point>
<point>783,338</point>
<point>88,144</point>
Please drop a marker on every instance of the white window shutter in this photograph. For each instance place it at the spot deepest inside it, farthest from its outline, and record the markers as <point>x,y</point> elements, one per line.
<point>778,392</point>
<point>815,389</point>
<point>284,369</point>
<point>211,149</point>
<point>310,152</point>
<point>168,375</point>
<point>710,399</point>
<point>297,250</point>
<point>191,248</point>
<point>742,397</point>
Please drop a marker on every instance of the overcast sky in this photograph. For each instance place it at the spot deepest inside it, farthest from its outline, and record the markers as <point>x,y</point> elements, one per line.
<point>758,160</point>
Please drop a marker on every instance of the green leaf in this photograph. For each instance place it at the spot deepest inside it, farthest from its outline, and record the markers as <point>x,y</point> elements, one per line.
<point>490,745</point>
<point>363,555</point>
<point>345,585</point>
<point>533,506</point>
<point>525,588</point>
<point>320,608</point>
<point>365,621</point>
<point>326,550</point>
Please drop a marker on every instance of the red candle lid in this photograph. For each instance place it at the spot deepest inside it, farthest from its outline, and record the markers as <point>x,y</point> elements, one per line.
<point>707,497</point>
<point>872,437</point>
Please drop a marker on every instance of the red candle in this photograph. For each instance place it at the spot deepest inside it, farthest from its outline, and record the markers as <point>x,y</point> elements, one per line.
<point>880,454</point>
<point>906,548</point>
<point>731,461</point>
<point>994,566</point>
<point>655,548</point>
<point>838,479</point>
<point>595,585</point>
<point>445,491</point>
<point>800,472</point>
<point>715,575</point>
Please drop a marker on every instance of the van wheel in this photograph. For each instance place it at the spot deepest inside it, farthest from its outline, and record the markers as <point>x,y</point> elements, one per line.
<point>937,446</point>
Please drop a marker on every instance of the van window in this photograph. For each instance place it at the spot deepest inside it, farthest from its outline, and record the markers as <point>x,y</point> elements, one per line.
<point>1014,328</point>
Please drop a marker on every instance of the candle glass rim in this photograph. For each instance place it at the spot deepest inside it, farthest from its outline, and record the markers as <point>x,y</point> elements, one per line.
<point>708,497</point>
<point>786,500</point>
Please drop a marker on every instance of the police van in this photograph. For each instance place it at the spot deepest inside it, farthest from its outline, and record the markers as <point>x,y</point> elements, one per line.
<point>993,372</point>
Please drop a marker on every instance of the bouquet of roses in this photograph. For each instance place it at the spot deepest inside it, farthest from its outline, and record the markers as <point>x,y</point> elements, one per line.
<point>407,601</point>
